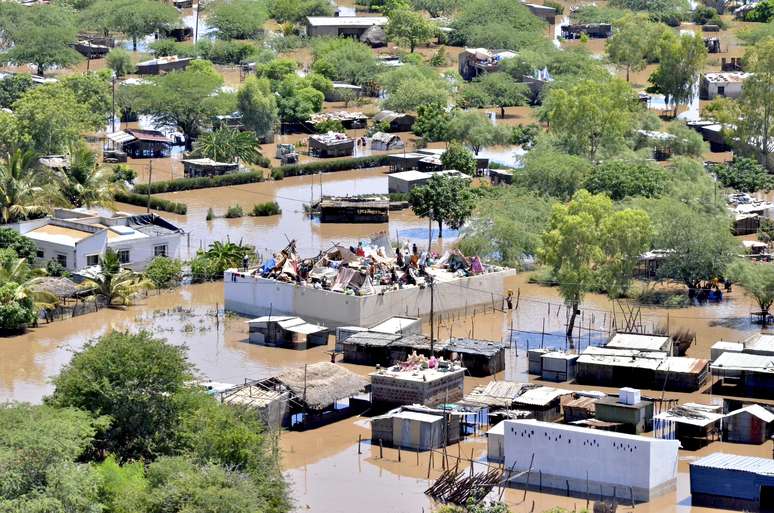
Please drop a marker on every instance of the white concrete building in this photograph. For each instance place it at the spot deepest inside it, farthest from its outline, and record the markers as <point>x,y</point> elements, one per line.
<point>724,83</point>
<point>590,461</point>
<point>404,181</point>
<point>76,238</point>
<point>254,295</point>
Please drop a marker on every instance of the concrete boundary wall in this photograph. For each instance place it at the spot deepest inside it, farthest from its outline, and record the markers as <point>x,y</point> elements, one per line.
<point>257,296</point>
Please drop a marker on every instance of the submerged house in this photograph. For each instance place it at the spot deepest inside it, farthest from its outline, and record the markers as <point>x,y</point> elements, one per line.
<point>356,209</point>
<point>162,65</point>
<point>416,427</point>
<point>733,482</point>
<point>725,83</point>
<point>350,26</point>
<point>475,61</point>
<point>286,331</point>
<point>628,409</point>
<point>395,121</point>
<point>752,424</point>
<point>752,373</point>
<point>77,238</point>
<point>139,144</point>
<point>694,425</point>
<point>332,144</point>
<point>195,168</point>
<point>412,382</point>
<point>382,141</point>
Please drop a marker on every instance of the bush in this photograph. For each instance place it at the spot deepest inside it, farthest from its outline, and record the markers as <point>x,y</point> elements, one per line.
<point>141,200</point>
<point>164,272</point>
<point>188,184</point>
<point>743,174</point>
<point>15,313</point>
<point>55,269</point>
<point>269,208</point>
<point>329,125</point>
<point>210,214</point>
<point>226,52</point>
<point>202,268</point>
<point>166,47</point>
<point>24,247</point>
<point>556,5</point>
<point>277,173</point>
<point>234,212</point>
<point>120,61</point>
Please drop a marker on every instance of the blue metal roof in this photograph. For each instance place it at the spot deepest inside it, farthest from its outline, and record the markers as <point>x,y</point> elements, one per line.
<point>725,461</point>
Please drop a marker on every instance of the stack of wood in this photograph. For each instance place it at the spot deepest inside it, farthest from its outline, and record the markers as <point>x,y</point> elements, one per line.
<point>458,488</point>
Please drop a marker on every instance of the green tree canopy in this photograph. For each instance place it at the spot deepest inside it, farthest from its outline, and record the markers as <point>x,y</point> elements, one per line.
<point>120,61</point>
<point>22,246</point>
<point>459,158</point>
<point>13,87</point>
<point>86,183</point>
<point>437,8</point>
<point>228,145</point>
<point>296,11</point>
<point>743,174</point>
<point>496,24</point>
<point>681,59</point>
<point>757,280</point>
<point>755,123</point>
<point>476,130</point>
<point>237,19</point>
<point>258,106</point>
<point>345,60</point>
<point>432,122</point>
<point>443,199</point>
<point>409,28</point>
<point>623,178</point>
<point>553,173</point>
<point>138,18</point>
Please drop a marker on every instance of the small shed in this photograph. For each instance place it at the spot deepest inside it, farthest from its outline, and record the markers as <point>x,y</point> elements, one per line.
<point>694,425</point>
<point>286,331</point>
<point>640,342</point>
<point>628,409</point>
<point>90,50</point>
<point>722,346</point>
<point>535,360</point>
<point>405,161</point>
<point>501,176</point>
<point>543,402</point>
<point>195,168</point>
<point>558,366</point>
<point>399,325</point>
<point>418,431</point>
<point>733,482</point>
<point>495,443</point>
<point>382,141</point>
<point>332,144</point>
<point>581,408</point>
<point>592,30</point>
<point>752,424</point>
<point>270,401</point>
<point>395,121</point>
<point>162,65</point>
<point>369,209</point>
<point>479,357</point>
<point>138,143</point>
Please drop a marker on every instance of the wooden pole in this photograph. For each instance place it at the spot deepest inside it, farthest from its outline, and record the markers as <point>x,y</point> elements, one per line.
<point>359,438</point>
<point>381,449</point>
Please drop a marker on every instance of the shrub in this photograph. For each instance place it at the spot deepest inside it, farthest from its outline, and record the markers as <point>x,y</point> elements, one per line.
<point>24,247</point>
<point>202,268</point>
<point>329,125</point>
<point>312,168</point>
<point>269,208</point>
<point>210,214</point>
<point>164,272</point>
<point>234,211</point>
<point>120,61</point>
<point>556,5</point>
<point>743,174</point>
<point>277,173</point>
<point>55,269</point>
<point>15,313</point>
<point>226,52</point>
<point>141,200</point>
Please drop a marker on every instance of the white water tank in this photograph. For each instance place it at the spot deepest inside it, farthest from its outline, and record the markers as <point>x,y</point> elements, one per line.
<point>629,396</point>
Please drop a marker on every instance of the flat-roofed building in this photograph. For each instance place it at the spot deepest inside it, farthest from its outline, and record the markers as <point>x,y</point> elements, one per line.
<point>353,26</point>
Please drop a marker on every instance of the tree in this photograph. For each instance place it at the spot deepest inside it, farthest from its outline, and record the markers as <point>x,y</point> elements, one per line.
<point>443,200</point>
<point>224,255</point>
<point>344,60</point>
<point>181,99</point>
<point>410,95</point>
<point>53,117</point>
<point>698,246</point>
<point>409,28</point>
<point>43,38</point>
<point>755,124</point>
<point>587,244</point>
<point>758,282</point>
<point>496,24</point>
<point>743,174</point>
<point>506,227</point>
<point>113,285</point>
<point>762,12</point>
<point>85,183</point>
<point>237,19</point>
<point>22,246</point>
<point>476,130</point>
<point>553,173</point>
<point>681,59</point>
<point>620,179</point>
<point>228,145</point>
<point>164,272</point>
<point>138,18</point>
<point>138,381</point>
<point>120,61</point>
<point>92,91</point>
<point>13,87</point>
<point>258,106</point>
<point>437,8</point>
<point>295,11</point>
<point>590,115</point>
<point>629,45</point>
<point>298,101</point>
<point>21,188</point>
<point>26,280</point>
<point>432,122</point>
<point>459,158</point>
<point>500,90</point>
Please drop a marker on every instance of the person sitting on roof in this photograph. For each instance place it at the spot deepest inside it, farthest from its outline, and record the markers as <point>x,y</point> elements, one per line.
<point>360,251</point>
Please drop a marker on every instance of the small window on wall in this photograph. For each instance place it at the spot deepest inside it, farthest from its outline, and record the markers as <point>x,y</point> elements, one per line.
<point>62,259</point>
<point>92,260</point>
<point>41,254</point>
<point>123,256</point>
<point>160,250</point>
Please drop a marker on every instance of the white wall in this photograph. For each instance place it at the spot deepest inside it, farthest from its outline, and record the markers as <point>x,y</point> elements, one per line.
<point>258,296</point>
<point>141,250</point>
<point>615,461</point>
<point>94,245</point>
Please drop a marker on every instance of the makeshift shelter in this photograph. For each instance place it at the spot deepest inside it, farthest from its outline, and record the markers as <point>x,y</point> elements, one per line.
<point>742,483</point>
<point>358,209</point>
<point>349,26</point>
<point>543,402</point>
<point>374,36</point>
<point>415,381</point>
<point>162,64</point>
<point>592,30</point>
<point>271,401</point>
<point>497,394</point>
<point>138,143</point>
<point>694,425</point>
<point>331,144</point>
<point>628,409</point>
<point>381,141</point>
<point>90,50</point>
<point>395,121</point>
<point>340,89</point>
<point>416,427</point>
<point>581,408</point>
<point>285,331</point>
<point>752,424</point>
<point>479,357</point>
<point>348,119</point>
<point>751,372</point>
<point>195,168</point>
<point>558,366</point>
<point>475,61</point>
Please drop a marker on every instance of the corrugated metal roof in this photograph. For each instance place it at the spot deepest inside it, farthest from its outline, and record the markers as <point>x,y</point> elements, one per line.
<point>638,341</point>
<point>756,410</point>
<point>760,342</point>
<point>346,21</point>
<point>744,362</point>
<point>541,396</point>
<point>683,364</point>
<point>720,460</point>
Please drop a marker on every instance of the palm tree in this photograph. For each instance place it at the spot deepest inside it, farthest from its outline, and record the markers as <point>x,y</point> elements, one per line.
<point>18,271</point>
<point>21,187</point>
<point>224,255</point>
<point>228,145</point>
<point>84,183</point>
<point>116,286</point>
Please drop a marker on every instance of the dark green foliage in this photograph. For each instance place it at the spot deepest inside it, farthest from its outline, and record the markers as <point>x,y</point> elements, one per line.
<point>553,173</point>
<point>295,11</point>
<point>211,264</point>
<point>525,135</point>
<point>443,199</point>
<point>123,173</point>
<point>138,381</point>
<point>596,14</point>
<point>345,60</point>
<point>763,12</point>
<point>704,15</point>
<point>459,158</point>
<point>187,184</point>
<point>24,247</point>
<point>277,173</point>
<point>237,19</point>
<point>15,313</point>
<point>226,52</point>
<point>234,211</point>
<point>620,179</point>
<point>329,125</point>
<point>432,122</point>
<point>164,272</point>
<point>743,174</point>
<point>141,200</point>
<point>556,5</point>
<point>12,88</point>
<point>671,12</point>
<point>496,24</point>
<point>269,208</point>
<point>55,269</point>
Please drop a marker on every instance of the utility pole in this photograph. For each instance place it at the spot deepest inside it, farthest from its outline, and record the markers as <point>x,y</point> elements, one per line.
<point>432,316</point>
<point>150,174</point>
<point>429,234</point>
<point>113,117</point>
<point>196,30</point>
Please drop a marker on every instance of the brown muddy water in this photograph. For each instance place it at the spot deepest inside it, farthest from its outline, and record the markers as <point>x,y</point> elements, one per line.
<point>323,465</point>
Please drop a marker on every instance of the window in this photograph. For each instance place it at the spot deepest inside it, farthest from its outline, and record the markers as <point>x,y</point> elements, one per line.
<point>62,259</point>
<point>41,254</point>
<point>721,90</point>
<point>92,260</point>
<point>160,250</point>
<point>123,256</point>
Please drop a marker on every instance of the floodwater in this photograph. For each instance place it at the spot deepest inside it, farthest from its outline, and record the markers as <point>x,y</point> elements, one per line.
<point>332,476</point>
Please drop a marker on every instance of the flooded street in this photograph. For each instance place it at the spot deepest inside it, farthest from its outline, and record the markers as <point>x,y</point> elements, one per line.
<point>326,458</point>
